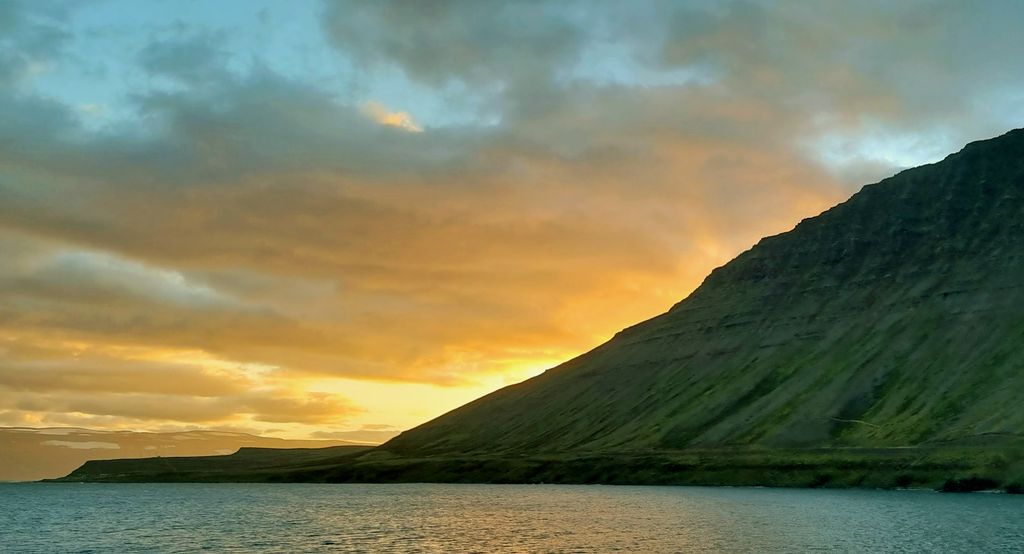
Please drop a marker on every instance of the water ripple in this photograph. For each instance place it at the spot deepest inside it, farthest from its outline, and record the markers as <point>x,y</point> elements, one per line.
<point>100,518</point>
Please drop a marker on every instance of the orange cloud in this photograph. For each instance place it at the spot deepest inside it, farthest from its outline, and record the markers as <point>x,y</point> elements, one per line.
<point>382,115</point>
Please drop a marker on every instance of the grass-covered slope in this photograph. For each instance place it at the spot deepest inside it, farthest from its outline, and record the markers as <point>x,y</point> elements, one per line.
<point>894,319</point>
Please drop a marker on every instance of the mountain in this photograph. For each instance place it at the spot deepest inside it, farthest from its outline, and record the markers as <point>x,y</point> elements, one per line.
<point>880,343</point>
<point>893,319</point>
<point>29,454</point>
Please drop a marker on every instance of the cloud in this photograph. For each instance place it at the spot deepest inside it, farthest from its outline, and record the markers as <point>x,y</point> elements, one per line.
<point>379,113</point>
<point>117,375</point>
<point>83,445</point>
<point>258,405</point>
<point>455,39</point>
<point>854,70</point>
<point>365,435</point>
<point>245,229</point>
<point>31,36</point>
<point>861,70</point>
<point>194,60</point>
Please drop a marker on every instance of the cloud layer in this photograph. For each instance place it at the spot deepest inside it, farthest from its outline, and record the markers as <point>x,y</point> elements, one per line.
<point>194,233</point>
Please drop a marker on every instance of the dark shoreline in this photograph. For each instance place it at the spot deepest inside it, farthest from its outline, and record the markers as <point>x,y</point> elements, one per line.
<point>943,468</point>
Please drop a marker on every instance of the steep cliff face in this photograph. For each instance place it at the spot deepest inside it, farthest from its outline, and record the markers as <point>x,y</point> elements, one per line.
<point>893,319</point>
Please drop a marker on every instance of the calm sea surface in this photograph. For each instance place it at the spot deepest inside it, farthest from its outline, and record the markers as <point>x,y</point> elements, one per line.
<point>493,518</point>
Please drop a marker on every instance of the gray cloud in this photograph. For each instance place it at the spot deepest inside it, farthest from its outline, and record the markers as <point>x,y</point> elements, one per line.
<point>194,60</point>
<point>943,70</point>
<point>31,36</point>
<point>485,44</point>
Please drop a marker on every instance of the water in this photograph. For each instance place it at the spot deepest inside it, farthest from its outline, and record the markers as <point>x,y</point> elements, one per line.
<point>492,518</point>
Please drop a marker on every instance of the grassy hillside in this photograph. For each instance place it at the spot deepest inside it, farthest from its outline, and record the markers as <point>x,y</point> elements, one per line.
<point>894,319</point>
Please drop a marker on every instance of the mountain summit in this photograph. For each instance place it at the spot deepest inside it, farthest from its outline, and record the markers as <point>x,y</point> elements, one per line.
<point>893,319</point>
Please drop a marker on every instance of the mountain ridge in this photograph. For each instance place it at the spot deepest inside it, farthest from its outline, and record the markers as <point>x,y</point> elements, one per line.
<point>887,248</point>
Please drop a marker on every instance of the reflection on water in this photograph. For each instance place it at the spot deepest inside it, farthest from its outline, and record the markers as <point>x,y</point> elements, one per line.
<point>488,518</point>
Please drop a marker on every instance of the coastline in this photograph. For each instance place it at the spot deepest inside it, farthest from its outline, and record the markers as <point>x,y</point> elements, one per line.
<point>947,469</point>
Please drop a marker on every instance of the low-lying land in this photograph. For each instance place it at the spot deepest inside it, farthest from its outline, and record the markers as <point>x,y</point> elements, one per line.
<point>248,465</point>
<point>959,468</point>
<point>28,454</point>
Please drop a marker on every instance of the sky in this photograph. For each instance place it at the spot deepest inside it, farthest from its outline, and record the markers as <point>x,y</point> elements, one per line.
<point>331,219</point>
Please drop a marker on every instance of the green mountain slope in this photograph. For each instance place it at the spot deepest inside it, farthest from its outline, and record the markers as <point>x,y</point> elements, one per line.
<point>894,319</point>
